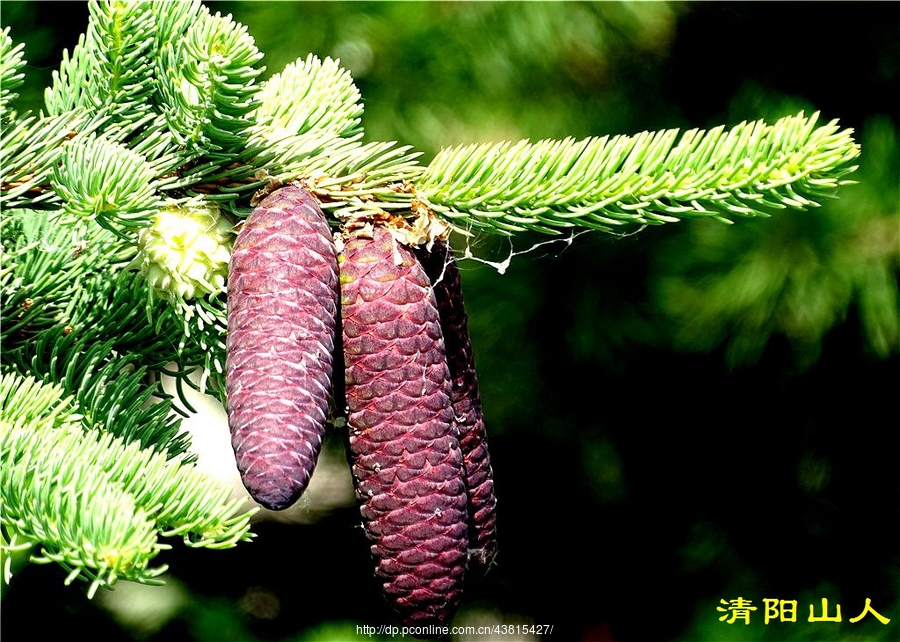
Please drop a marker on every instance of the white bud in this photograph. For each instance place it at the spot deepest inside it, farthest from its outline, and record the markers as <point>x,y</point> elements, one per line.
<point>185,253</point>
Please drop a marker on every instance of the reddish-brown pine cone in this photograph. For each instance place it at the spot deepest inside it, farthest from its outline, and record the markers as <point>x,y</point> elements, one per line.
<point>406,461</point>
<point>282,306</point>
<point>441,267</point>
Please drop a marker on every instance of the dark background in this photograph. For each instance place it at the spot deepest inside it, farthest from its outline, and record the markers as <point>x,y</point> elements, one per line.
<point>644,471</point>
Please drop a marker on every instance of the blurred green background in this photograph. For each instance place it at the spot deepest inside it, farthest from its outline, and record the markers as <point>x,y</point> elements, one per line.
<point>694,413</point>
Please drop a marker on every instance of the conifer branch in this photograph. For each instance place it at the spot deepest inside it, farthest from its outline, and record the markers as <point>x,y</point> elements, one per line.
<point>101,519</point>
<point>109,69</point>
<point>29,149</point>
<point>173,20</point>
<point>647,179</point>
<point>26,400</point>
<point>112,390</point>
<point>309,117</point>
<point>12,61</point>
<point>310,95</point>
<point>53,329</point>
<point>208,85</point>
<point>41,261</point>
<point>104,181</point>
<point>77,515</point>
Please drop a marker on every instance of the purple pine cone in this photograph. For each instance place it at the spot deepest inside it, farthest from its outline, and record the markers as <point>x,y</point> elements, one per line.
<point>482,505</point>
<point>406,462</point>
<point>282,305</point>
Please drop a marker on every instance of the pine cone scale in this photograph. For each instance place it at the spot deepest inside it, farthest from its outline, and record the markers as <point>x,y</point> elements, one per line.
<point>282,308</point>
<point>466,402</point>
<point>406,462</point>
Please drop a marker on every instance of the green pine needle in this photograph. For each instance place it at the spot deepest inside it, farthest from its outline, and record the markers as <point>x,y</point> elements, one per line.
<point>110,69</point>
<point>39,263</point>
<point>208,82</point>
<point>112,390</point>
<point>78,515</point>
<point>26,400</point>
<point>12,62</point>
<point>795,277</point>
<point>104,181</point>
<point>310,95</point>
<point>29,150</point>
<point>647,179</point>
<point>99,520</point>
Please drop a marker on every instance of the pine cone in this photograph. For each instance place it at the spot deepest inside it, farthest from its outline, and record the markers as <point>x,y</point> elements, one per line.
<point>406,461</point>
<point>441,267</point>
<point>282,306</point>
